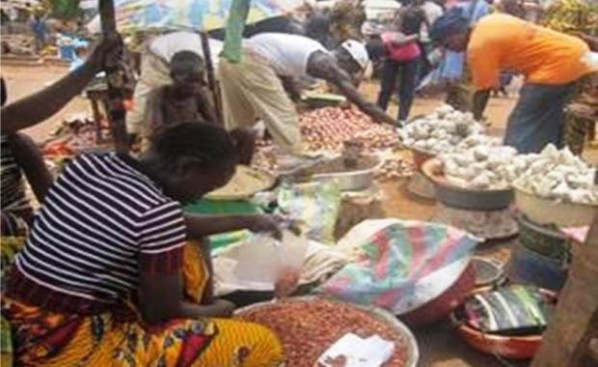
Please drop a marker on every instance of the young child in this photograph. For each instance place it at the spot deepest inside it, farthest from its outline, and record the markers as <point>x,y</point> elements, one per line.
<point>186,99</point>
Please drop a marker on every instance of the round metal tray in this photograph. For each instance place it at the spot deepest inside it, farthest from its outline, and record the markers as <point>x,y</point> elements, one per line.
<point>227,193</point>
<point>463,198</point>
<point>376,312</point>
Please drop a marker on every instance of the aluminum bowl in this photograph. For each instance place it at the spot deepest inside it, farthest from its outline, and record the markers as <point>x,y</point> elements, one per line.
<point>464,198</point>
<point>548,211</point>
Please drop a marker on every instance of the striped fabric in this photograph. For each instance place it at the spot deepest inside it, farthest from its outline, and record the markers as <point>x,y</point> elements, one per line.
<point>103,220</point>
<point>13,201</point>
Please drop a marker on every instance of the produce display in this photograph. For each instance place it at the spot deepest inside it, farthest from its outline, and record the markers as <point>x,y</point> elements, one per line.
<point>483,167</point>
<point>329,128</point>
<point>306,328</point>
<point>395,167</point>
<point>558,174</point>
<point>440,131</point>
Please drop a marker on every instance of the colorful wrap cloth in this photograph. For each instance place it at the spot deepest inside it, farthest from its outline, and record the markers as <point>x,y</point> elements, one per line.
<point>43,338</point>
<point>399,265</point>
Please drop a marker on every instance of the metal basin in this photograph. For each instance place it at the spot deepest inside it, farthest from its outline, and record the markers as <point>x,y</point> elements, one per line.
<point>463,198</point>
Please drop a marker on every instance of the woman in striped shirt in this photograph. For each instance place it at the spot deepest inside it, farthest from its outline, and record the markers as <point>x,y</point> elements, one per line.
<point>101,279</point>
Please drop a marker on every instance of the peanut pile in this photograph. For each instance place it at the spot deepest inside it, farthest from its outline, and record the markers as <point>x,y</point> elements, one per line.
<point>307,328</point>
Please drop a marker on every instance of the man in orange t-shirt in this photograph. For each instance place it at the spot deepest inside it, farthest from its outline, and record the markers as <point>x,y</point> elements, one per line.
<point>551,63</point>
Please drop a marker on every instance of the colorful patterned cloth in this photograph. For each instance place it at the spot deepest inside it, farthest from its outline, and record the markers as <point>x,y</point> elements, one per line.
<point>9,246</point>
<point>399,265</point>
<point>136,15</point>
<point>43,338</point>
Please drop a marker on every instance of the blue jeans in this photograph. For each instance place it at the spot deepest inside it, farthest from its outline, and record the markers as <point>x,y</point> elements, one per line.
<point>408,72</point>
<point>539,117</point>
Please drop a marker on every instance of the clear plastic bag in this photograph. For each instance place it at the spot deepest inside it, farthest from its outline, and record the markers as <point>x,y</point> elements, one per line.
<point>263,261</point>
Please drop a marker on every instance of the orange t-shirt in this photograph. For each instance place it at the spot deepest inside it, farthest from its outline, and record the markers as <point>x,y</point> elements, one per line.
<point>502,42</point>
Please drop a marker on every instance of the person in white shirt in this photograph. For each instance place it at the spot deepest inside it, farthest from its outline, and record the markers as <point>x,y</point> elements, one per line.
<point>253,89</point>
<point>155,73</point>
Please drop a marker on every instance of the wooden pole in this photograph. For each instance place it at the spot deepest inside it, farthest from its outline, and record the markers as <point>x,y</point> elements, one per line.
<point>572,334</point>
<point>212,83</point>
<point>116,81</point>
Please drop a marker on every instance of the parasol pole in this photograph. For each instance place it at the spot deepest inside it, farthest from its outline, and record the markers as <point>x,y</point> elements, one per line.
<point>212,83</point>
<point>115,80</point>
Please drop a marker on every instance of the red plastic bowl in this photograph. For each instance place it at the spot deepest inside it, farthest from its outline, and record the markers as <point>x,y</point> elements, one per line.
<point>441,307</point>
<point>509,347</point>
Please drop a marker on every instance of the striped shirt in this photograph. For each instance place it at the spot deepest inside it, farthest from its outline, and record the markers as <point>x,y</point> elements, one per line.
<point>102,222</point>
<point>13,200</point>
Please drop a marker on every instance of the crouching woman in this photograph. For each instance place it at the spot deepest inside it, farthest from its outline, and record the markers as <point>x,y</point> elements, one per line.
<point>108,276</point>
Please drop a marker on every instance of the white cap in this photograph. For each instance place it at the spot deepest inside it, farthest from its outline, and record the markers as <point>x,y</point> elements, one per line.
<point>357,51</point>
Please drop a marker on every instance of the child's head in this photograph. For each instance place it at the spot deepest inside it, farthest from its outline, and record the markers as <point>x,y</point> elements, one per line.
<point>187,72</point>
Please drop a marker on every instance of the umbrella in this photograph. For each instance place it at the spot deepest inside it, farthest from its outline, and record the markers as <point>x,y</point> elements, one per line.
<point>199,15</point>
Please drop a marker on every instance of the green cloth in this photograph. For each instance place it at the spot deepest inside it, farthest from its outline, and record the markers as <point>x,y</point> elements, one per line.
<point>235,26</point>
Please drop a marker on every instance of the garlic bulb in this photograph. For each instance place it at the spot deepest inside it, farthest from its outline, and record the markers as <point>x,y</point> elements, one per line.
<point>441,131</point>
<point>557,174</point>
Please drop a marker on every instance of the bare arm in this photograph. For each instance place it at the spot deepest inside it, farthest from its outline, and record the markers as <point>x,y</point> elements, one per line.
<point>290,86</point>
<point>201,226</point>
<point>161,300</point>
<point>36,108</point>
<point>323,66</point>
<point>29,158</point>
<point>206,108</point>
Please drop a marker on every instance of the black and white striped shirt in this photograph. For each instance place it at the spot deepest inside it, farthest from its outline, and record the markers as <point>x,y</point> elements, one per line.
<point>13,198</point>
<point>102,222</point>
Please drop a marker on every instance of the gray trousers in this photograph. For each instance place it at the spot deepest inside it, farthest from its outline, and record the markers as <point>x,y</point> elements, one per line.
<point>539,117</point>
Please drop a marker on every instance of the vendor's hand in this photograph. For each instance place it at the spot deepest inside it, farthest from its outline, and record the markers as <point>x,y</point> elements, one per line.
<point>108,52</point>
<point>266,223</point>
<point>223,308</point>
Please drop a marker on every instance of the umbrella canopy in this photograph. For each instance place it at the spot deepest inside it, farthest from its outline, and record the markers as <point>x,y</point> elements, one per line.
<point>203,15</point>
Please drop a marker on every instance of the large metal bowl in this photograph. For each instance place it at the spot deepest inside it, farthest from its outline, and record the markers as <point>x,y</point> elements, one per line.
<point>463,198</point>
<point>383,315</point>
<point>548,211</point>
<point>349,180</point>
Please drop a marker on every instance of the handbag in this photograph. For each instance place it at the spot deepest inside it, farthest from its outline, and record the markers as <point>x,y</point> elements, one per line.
<point>407,52</point>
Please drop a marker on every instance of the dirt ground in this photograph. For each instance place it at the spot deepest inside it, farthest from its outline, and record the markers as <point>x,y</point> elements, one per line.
<point>439,345</point>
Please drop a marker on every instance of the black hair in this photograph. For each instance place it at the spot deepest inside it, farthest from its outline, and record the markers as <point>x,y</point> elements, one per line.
<point>3,92</point>
<point>185,62</point>
<point>208,144</point>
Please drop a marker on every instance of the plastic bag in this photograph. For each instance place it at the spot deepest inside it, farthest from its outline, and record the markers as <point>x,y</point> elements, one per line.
<point>399,265</point>
<point>316,206</point>
<point>319,261</point>
<point>262,259</point>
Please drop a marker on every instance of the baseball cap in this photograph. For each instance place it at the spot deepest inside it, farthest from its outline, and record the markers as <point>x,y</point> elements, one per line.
<point>357,51</point>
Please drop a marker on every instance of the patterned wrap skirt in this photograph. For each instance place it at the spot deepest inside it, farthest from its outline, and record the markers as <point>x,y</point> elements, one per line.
<point>43,338</point>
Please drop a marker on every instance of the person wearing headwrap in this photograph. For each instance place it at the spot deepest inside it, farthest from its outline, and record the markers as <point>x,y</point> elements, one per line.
<point>551,63</point>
